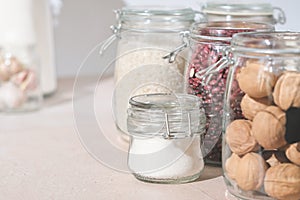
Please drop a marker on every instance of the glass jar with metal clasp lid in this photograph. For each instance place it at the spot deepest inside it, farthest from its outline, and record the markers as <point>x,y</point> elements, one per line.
<point>165,131</point>
<point>261,151</point>
<point>206,74</point>
<point>243,10</point>
<point>144,36</point>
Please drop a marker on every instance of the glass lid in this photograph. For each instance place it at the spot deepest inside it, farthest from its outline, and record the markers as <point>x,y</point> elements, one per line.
<point>224,30</point>
<point>167,115</point>
<point>166,101</point>
<point>280,43</point>
<point>238,8</point>
<point>156,13</point>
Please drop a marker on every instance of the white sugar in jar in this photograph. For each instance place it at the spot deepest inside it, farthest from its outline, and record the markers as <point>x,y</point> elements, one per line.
<point>165,131</point>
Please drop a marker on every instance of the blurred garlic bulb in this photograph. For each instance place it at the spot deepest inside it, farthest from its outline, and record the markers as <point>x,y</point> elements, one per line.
<point>11,96</point>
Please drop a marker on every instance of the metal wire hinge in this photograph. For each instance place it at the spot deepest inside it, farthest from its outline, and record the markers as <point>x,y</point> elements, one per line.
<point>116,33</point>
<point>206,74</point>
<point>281,18</point>
<point>168,134</point>
<point>173,54</point>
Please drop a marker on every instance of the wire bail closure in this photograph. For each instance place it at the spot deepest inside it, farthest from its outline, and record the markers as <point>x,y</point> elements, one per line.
<point>185,43</point>
<point>206,74</point>
<point>168,134</point>
<point>116,29</point>
<point>281,18</point>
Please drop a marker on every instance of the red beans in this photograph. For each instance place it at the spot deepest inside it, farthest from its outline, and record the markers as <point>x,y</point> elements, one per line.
<point>205,54</point>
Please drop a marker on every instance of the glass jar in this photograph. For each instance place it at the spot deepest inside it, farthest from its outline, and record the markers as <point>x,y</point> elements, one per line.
<point>255,11</point>
<point>206,75</point>
<point>145,35</point>
<point>261,151</point>
<point>19,79</point>
<point>165,132</point>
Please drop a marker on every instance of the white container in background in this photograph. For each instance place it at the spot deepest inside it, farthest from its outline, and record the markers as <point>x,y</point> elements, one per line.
<point>16,23</point>
<point>19,61</point>
<point>43,22</point>
<point>27,23</point>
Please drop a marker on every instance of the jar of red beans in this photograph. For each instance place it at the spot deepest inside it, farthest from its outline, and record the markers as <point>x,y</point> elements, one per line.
<point>243,10</point>
<point>261,147</point>
<point>206,75</point>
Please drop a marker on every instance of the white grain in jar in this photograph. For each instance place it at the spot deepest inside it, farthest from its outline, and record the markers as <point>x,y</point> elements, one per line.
<point>145,36</point>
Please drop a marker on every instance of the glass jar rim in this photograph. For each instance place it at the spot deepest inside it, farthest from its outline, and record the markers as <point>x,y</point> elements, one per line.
<point>166,101</point>
<point>271,43</point>
<point>246,9</point>
<point>170,116</point>
<point>156,13</point>
<point>215,29</point>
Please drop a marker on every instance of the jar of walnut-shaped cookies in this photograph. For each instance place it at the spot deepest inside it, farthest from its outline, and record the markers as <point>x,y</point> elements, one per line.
<point>261,155</point>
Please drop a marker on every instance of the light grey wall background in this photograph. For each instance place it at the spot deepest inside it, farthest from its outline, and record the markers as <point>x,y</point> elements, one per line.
<point>83,24</point>
<point>291,8</point>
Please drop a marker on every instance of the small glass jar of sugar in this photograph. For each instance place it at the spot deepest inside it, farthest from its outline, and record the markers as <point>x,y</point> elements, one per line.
<point>165,132</point>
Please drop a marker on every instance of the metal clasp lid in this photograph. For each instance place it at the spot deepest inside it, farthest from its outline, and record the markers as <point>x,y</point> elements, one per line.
<point>206,74</point>
<point>116,29</point>
<point>185,43</point>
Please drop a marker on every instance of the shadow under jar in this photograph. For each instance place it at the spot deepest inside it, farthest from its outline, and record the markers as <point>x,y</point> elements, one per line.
<point>261,151</point>
<point>206,75</point>
<point>165,144</point>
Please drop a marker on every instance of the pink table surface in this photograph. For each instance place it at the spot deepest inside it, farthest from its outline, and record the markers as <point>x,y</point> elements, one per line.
<point>42,157</point>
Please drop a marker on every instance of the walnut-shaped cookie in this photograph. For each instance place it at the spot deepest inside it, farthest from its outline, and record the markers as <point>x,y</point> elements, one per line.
<point>283,182</point>
<point>293,153</point>
<point>251,106</point>
<point>250,172</point>
<point>268,128</point>
<point>239,139</point>
<point>254,80</point>
<point>287,90</point>
<point>231,165</point>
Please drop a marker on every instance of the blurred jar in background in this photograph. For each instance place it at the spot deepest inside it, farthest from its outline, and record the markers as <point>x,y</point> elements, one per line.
<point>19,66</point>
<point>19,79</point>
